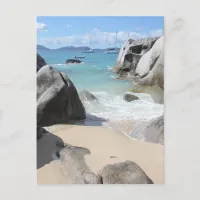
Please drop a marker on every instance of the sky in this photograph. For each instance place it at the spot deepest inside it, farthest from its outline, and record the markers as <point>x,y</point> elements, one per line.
<point>104,32</point>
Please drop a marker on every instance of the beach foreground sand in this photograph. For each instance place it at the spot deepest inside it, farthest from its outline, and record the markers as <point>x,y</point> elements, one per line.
<point>106,146</point>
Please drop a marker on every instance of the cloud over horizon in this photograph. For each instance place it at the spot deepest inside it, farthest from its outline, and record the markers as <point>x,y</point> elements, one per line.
<point>98,37</point>
<point>41,27</point>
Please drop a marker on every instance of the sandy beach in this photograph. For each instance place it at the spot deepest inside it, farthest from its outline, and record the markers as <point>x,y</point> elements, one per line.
<point>105,145</point>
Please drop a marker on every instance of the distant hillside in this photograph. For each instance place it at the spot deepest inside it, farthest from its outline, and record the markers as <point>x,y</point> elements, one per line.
<point>41,47</point>
<point>73,48</point>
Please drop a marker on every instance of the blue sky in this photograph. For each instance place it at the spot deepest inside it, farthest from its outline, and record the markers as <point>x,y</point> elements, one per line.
<point>55,32</point>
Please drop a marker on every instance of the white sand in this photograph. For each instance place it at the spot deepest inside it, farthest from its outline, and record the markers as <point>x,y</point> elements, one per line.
<point>103,143</point>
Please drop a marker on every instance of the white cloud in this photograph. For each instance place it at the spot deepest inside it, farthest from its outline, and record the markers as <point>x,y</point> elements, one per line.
<point>41,27</point>
<point>156,33</point>
<point>99,37</point>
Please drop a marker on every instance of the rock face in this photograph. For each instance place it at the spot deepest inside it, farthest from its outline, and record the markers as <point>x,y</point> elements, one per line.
<point>145,68</point>
<point>86,96</point>
<point>73,61</point>
<point>126,172</point>
<point>39,132</point>
<point>130,54</point>
<point>152,131</point>
<point>57,98</point>
<point>150,69</point>
<point>75,168</point>
<point>40,62</point>
<point>76,171</point>
<point>130,97</point>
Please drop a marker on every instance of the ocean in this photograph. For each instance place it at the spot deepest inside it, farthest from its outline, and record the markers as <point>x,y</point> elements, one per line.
<point>95,75</point>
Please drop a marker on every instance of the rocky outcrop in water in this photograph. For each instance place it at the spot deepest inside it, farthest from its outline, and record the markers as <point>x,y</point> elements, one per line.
<point>151,131</point>
<point>86,96</point>
<point>130,97</point>
<point>40,62</point>
<point>130,54</point>
<point>143,62</point>
<point>73,61</point>
<point>57,98</point>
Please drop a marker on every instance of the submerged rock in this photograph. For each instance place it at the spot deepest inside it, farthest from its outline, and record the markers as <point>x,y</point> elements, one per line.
<point>86,96</point>
<point>40,62</point>
<point>157,94</point>
<point>130,97</point>
<point>73,61</point>
<point>126,172</point>
<point>57,98</point>
<point>152,131</point>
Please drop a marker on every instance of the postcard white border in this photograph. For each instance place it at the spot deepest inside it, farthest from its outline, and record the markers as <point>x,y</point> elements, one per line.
<point>18,99</point>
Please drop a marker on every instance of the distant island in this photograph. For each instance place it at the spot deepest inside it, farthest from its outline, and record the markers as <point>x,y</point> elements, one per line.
<point>82,48</point>
<point>42,47</point>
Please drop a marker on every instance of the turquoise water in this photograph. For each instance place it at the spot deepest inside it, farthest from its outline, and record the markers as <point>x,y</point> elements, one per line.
<point>95,75</point>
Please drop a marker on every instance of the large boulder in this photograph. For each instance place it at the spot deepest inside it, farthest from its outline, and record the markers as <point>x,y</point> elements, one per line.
<point>74,167</point>
<point>126,172</point>
<point>39,132</point>
<point>130,97</point>
<point>76,171</point>
<point>86,96</point>
<point>155,76</point>
<point>57,98</point>
<point>148,76</point>
<point>40,62</point>
<point>149,59</point>
<point>73,61</point>
<point>151,131</point>
<point>130,54</point>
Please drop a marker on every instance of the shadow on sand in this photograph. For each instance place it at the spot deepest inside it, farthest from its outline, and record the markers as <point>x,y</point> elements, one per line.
<point>91,120</point>
<point>47,146</point>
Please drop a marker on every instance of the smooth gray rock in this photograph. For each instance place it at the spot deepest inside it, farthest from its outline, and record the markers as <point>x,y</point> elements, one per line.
<point>155,75</point>
<point>75,167</point>
<point>57,98</point>
<point>40,62</point>
<point>130,97</point>
<point>126,172</point>
<point>149,59</point>
<point>86,96</point>
<point>130,54</point>
<point>152,131</point>
<point>39,132</point>
<point>73,61</point>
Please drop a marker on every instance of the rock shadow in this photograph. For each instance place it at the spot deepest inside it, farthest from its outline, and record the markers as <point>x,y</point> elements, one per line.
<point>91,120</point>
<point>47,147</point>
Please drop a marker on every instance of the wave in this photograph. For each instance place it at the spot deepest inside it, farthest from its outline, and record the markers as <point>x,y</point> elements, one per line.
<point>114,108</point>
<point>59,64</point>
<point>115,113</point>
